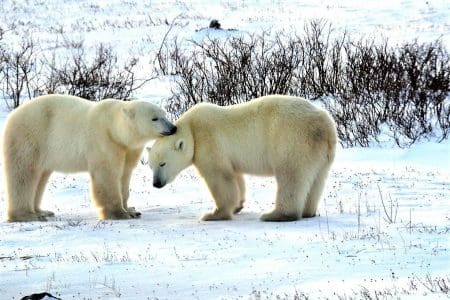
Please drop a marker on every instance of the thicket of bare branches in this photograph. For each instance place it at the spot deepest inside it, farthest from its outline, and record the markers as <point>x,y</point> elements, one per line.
<point>94,78</point>
<point>27,72</point>
<point>365,84</point>
<point>404,88</point>
<point>17,71</point>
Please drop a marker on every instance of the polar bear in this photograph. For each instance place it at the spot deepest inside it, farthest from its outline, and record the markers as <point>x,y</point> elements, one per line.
<point>281,136</point>
<point>70,134</point>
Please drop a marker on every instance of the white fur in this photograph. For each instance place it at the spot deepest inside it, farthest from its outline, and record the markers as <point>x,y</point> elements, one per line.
<point>70,134</point>
<point>280,136</point>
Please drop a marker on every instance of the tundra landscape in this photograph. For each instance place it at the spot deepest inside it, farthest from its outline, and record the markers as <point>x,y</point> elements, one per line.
<point>383,230</point>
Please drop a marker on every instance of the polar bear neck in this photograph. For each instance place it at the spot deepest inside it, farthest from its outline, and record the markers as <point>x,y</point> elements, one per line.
<point>185,132</point>
<point>123,133</point>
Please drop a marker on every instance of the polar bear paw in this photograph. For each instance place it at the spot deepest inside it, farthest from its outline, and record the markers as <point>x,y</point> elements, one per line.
<point>217,215</point>
<point>45,213</point>
<point>26,217</point>
<point>238,209</point>
<point>115,215</point>
<point>133,212</point>
<point>276,216</point>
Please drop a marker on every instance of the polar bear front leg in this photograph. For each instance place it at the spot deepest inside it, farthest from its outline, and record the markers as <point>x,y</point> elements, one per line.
<point>38,197</point>
<point>107,194</point>
<point>224,190</point>
<point>241,186</point>
<point>131,162</point>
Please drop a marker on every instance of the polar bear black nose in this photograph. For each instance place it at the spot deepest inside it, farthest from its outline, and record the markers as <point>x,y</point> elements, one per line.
<point>157,183</point>
<point>170,130</point>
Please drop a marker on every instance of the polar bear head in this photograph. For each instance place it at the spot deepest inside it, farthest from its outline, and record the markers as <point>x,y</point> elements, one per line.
<point>148,120</point>
<point>169,156</point>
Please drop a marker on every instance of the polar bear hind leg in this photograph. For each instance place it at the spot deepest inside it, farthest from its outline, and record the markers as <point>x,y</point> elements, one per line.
<point>292,190</point>
<point>315,193</point>
<point>21,188</point>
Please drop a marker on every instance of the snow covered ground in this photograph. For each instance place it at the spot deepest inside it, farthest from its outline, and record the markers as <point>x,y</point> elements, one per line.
<point>168,254</point>
<point>384,224</point>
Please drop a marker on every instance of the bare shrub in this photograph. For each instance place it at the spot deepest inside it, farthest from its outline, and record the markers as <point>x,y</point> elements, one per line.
<point>24,74</point>
<point>95,79</point>
<point>165,55</point>
<point>17,72</point>
<point>426,78</point>
<point>2,50</point>
<point>390,208</point>
<point>403,87</point>
<point>437,285</point>
<point>320,72</point>
<point>233,71</point>
<point>364,84</point>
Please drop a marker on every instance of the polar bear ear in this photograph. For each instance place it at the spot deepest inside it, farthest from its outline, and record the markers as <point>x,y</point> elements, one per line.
<point>130,113</point>
<point>179,145</point>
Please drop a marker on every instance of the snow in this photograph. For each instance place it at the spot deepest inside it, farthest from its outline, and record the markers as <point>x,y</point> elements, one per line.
<point>384,223</point>
<point>169,254</point>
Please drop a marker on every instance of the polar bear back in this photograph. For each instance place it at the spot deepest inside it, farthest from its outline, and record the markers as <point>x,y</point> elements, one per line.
<point>256,136</point>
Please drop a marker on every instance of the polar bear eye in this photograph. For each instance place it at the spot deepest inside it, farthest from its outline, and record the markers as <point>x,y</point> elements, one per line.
<point>155,119</point>
<point>162,164</point>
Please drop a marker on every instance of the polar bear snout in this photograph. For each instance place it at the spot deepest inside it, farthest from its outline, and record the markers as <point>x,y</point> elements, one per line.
<point>169,128</point>
<point>172,130</point>
<point>157,183</point>
<point>158,180</point>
